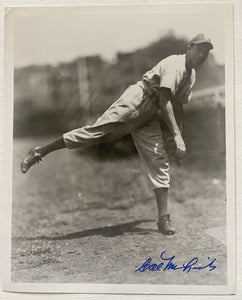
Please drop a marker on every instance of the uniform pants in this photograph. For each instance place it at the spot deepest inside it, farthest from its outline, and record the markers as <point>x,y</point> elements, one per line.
<point>136,113</point>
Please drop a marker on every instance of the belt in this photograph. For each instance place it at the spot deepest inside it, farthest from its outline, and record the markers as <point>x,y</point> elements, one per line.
<point>148,89</point>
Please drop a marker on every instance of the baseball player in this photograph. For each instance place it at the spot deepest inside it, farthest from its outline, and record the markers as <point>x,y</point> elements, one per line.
<point>162,91</point>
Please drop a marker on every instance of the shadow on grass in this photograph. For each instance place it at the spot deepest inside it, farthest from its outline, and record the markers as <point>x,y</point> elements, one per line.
<point>108,231</point>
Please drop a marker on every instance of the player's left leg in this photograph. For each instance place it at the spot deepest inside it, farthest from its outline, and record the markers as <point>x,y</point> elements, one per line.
<point>150,146</point>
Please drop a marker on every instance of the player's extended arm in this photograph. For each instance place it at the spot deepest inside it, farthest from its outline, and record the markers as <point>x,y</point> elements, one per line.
<point>169,118</point>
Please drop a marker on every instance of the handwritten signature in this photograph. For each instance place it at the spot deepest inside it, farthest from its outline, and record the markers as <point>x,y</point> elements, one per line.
<point>169,264</point>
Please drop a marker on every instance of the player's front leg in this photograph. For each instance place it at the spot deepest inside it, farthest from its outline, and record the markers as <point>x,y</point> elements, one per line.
<point>164,220</point>
<point>150,146</point>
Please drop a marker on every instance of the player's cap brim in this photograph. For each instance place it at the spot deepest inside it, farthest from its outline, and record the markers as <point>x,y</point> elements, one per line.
<point>202,42</point>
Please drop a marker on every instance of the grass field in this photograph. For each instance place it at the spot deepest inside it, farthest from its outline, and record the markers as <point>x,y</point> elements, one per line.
<point>77,219</point>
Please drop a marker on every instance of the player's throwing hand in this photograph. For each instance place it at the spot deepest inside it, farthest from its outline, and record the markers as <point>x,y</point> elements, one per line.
<point>180,146</point>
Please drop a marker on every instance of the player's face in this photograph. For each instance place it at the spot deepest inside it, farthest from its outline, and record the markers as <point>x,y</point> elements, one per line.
<point>197,54</point>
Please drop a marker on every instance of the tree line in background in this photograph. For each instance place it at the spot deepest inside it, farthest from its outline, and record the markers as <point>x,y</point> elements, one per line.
<point>51,99</point>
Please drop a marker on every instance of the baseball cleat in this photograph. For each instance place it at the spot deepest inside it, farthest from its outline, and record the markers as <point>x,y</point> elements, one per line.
<point>164,225</point>
<point>31,159</point>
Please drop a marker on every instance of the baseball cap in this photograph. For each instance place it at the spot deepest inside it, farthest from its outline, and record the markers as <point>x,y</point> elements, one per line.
<point>201,39</point>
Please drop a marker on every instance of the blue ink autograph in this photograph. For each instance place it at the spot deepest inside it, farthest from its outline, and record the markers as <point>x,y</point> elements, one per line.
<point>169,264</point>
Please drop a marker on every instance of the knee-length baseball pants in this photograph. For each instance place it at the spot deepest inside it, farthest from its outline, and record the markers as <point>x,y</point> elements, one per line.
<point>136,113</point>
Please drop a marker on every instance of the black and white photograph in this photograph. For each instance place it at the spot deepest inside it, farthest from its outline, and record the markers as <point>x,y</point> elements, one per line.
<point>121,135</point>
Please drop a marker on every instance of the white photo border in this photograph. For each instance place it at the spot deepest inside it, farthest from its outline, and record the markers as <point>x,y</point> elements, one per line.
<point>230,164</point>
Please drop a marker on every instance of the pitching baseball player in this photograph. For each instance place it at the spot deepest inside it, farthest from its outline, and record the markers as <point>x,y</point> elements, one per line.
<point>162,90</point>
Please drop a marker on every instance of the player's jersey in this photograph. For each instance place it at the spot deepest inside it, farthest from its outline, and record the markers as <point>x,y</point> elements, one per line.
<point>171,73</point>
